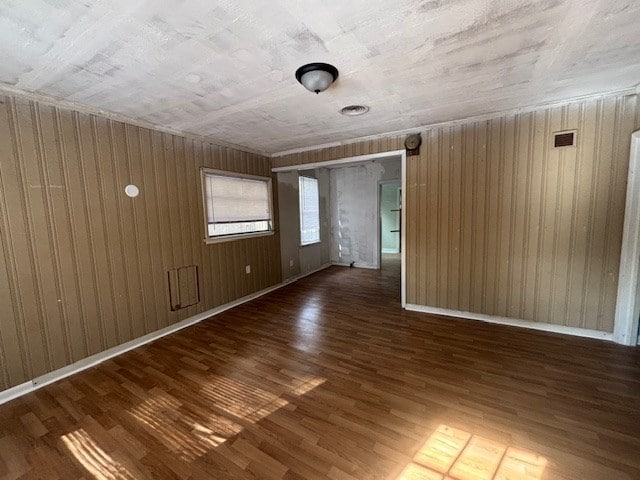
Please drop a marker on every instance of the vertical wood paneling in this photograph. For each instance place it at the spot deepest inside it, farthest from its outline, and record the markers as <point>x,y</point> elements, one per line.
<point>511,226</point>
<point>84,267</point>
<point>20,231</point>
<point>412,242</point>
<point>430,191</point>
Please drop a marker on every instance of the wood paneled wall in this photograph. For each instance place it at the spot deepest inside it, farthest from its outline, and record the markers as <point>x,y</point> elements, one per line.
<point>82,266</point>
<point>501,223</point>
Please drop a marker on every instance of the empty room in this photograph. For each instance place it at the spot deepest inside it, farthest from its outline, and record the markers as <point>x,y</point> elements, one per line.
<point>294,240</point>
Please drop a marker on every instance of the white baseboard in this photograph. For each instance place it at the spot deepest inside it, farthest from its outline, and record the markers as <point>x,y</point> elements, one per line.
<point>514,322</point>
<point>295,278</point>
<point>356,265</point>
<point>15,392</point>
<point>390,250</point>
<point>85,363</point>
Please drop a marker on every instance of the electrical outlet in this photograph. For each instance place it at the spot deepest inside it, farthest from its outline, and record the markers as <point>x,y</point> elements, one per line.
<point>290,262</point>
<point>247,269</point>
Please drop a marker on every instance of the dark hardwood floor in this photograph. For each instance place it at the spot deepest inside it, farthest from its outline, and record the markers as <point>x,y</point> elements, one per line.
<point>329,378</point>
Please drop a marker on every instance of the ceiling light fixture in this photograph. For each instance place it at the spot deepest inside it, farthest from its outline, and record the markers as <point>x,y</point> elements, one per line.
<point>317,77</point>
<point>354,110</point>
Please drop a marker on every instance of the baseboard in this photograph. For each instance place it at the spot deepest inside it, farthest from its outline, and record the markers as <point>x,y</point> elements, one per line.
<point>356,265</point>
<point>295,278</point>
<point>15,392</point>
<point>514,322</point>
<point>85,363</point>
<point>390,250</point>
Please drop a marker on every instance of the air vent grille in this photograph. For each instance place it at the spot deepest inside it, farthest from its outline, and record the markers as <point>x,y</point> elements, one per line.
<point>354,110</point>
<point>564,139</point>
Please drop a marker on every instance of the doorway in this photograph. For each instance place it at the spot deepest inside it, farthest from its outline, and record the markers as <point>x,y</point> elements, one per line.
<point>390,221</point>
<point>354,243</point>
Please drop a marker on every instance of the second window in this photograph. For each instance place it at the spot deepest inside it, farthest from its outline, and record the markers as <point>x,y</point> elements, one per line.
<point>309,211</point>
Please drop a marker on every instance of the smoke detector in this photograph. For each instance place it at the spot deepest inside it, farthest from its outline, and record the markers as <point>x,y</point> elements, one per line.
<point>354,110</point>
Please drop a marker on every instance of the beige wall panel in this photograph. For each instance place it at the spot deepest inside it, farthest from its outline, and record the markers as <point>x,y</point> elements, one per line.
<point>467,228</point>
<point>626,121</point>
<point>501,223</point>
<point>582,195</point>
<point>430,188</point>
<point>65,234</point>
<point>141,263</point>
<point>456,275</point>
<point>43,242</point>
<point>79,252</point>
<point>538,141</point>
<point>58,210</point>
<point>411,240</point>
<point>11,337</point>
<point>17,196</point>
<point>83,267</point>
<point>492,204</point>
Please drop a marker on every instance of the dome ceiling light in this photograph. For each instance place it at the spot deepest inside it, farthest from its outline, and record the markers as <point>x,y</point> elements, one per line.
<point>317,77</point>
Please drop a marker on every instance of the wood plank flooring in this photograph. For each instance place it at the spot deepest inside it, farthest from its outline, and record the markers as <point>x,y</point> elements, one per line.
<point>329,378</point>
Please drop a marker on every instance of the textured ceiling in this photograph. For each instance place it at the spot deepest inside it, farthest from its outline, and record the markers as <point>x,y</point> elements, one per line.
<point>225,69</point>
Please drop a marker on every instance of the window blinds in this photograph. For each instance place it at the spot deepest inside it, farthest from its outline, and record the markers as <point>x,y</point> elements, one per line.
<point>309,211</point>
<point>236,204</point>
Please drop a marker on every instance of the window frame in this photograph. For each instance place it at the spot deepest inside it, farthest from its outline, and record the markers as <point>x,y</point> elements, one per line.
<point>204,171</point>
<point>319,240</point>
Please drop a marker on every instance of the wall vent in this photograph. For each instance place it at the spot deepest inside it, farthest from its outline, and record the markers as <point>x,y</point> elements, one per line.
<point>564,139</point>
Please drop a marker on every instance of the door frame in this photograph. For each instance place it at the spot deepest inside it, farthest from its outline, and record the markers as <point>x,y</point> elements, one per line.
<point>625,330</point>
<point>403,183</point>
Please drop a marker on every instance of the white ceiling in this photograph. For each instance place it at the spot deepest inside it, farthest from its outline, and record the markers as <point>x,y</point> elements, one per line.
<point>225,70</point>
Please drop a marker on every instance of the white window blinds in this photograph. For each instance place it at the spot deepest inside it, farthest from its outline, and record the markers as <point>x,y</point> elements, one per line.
<point>309,211</point>
<point>236,204</point>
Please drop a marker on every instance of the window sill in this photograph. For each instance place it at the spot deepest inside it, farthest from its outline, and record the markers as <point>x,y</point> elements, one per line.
<point>309,244</point>
<point>239,236</point>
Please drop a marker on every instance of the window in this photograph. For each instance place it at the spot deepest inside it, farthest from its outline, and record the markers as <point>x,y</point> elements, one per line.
<point>236,205</point>
<point>309,211</point>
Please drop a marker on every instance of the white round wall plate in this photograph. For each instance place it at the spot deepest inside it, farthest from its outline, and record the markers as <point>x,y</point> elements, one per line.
<point>132,191</point>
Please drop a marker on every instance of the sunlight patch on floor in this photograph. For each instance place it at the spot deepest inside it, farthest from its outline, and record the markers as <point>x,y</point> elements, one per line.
<point>187,435</point>
<point>241,400</point>
<point>93,458</point>
<point>307,323</point>
<point>453,454</point>
<point>307,384</point>
<point>191,432</point>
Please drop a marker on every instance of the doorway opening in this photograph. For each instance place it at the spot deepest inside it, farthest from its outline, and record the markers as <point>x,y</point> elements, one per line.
<point>390,209</point>
<point>352,231</point>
